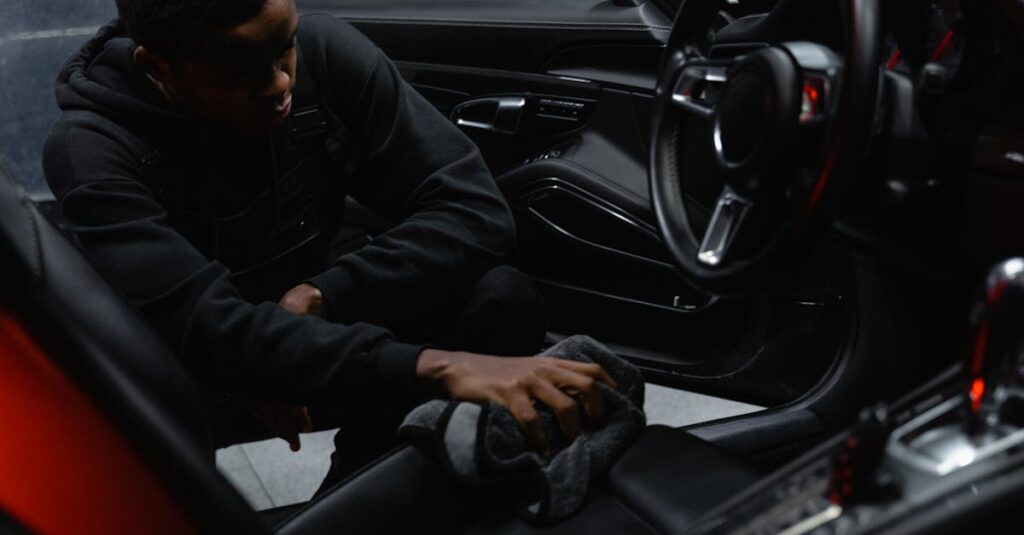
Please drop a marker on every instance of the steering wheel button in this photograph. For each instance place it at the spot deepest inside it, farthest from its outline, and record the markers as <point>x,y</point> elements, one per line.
<point>812,99</point>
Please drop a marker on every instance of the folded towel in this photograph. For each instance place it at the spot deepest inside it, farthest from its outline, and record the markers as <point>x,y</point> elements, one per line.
<point>482,445</point>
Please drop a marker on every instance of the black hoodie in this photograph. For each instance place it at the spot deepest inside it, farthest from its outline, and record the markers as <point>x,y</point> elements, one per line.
<point>410,164</point>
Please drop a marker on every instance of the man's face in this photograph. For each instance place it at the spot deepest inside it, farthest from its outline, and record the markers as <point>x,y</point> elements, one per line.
<point>244,80</point>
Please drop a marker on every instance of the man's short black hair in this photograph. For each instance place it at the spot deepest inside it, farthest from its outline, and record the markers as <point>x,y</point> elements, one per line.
<point>177,29</point>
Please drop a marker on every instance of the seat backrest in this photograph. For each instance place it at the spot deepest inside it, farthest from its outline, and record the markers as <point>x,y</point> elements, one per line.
<point>95,313</point>
<point>109,351</point>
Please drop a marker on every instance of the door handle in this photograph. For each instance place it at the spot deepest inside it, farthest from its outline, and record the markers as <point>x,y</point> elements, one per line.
<point>494,114</point>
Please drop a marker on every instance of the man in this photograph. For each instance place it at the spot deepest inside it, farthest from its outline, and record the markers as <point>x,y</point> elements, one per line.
<point>201,160</point>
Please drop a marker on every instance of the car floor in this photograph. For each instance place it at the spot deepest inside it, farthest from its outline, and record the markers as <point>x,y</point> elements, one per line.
<point>269,475</point>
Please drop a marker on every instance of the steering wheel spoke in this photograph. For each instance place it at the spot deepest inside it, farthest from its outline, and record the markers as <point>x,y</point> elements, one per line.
<point>696,90</point>
<point>821,70</point>
<point>730,212</point>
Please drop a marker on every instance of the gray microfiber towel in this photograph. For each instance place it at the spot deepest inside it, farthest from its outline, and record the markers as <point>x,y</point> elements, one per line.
<point>481,444</point>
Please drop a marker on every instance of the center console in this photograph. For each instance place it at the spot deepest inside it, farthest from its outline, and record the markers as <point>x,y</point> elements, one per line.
<point>948,457</point>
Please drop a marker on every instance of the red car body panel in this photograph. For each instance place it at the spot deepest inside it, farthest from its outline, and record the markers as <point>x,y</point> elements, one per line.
<point>64,467</point>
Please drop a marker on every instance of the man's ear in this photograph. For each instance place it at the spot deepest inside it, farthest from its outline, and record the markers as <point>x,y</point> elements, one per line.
<point>155,66</point>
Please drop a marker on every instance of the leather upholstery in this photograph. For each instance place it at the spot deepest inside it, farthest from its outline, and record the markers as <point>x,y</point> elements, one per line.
<point>100,342</point>
<point>403,491</point>
<point>100,316</point>
<point>602,514</point>
<point>662,484</point>
<point>671,477</point>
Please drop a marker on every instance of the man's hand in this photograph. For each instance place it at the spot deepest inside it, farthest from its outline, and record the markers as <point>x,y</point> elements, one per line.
<point>285,421</point>
<point>516,382</point>
<point>304,300</point>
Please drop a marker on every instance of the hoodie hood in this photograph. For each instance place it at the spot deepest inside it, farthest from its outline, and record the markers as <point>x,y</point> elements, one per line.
<point>102,77</point>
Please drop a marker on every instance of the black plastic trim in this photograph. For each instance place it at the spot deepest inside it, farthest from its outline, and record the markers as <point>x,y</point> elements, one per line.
<point>528,195</point>
<point>517,37</point>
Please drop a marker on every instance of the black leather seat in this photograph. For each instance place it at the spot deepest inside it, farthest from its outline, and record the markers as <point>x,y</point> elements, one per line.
<point>99,341</point>
<point>661,484</point>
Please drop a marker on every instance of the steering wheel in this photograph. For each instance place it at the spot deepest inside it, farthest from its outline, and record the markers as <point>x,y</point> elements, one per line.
<point>752,142</point>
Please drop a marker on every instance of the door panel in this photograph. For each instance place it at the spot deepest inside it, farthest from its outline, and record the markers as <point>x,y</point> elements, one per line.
<point>540,129</point>
<point>521,35</point>
<point>577,78</point>
<point>573,162</point>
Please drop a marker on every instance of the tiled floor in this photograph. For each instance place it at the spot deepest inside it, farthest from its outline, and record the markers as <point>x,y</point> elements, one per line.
<point>269,474</point>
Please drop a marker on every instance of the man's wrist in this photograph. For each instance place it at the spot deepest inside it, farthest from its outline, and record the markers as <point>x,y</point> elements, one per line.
<point>337,289</point>
<point>434,366</point>
<point>431,364</point>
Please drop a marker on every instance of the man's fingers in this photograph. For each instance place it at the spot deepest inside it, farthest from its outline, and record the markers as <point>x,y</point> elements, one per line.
<point>564,407</point>
<point>593,404</point>
<point>586,388</point>
<point>287,425</point>
<point>524,413</point>
<point>306,423</point>
<point>284,421</point>
<point>294,420</point>
<point>587,368</point>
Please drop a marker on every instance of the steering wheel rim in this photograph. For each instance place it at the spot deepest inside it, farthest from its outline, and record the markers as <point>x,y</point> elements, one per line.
<point>846,120</point>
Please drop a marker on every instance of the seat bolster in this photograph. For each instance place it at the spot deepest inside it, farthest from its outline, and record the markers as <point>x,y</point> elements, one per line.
<point>663,483</point>
<point>402,492</point>
<point>670,478</point>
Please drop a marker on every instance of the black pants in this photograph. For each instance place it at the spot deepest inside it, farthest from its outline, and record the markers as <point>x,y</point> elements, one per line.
<point>503,314</point>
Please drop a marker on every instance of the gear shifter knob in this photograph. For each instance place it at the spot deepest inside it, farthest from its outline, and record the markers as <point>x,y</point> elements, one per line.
<point>994,362</point>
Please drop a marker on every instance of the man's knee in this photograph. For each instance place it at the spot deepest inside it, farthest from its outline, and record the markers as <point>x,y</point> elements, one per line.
<point>505,313</point>
<point>510,290</point>
<point>506,295</point>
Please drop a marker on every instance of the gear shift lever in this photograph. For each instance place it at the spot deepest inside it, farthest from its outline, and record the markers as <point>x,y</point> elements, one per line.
<point>993,365</point>
<point>980,422</point>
